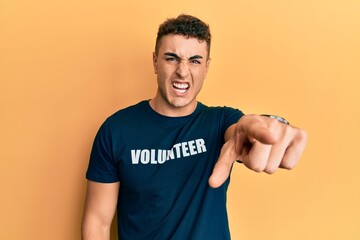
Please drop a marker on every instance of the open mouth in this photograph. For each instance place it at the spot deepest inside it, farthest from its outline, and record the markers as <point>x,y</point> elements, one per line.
<point>181,88</point>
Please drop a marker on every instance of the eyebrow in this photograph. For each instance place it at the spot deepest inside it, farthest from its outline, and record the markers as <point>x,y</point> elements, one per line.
<point>176,56</point>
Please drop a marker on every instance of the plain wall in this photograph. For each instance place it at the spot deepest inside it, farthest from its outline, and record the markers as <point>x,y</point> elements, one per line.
<point>66,65</point>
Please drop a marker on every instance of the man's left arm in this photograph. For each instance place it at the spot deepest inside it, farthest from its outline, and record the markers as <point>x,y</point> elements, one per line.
<point>262,144</point>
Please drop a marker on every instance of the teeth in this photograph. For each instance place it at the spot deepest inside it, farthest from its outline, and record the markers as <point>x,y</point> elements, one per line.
<point>181,91</point>
<point>181,86</point>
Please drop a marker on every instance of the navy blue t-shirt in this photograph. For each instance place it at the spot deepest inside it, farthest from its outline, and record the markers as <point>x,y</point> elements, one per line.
<point>163,165</point>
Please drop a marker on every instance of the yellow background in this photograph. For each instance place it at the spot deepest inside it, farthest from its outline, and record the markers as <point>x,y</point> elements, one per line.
<point>66,65</point>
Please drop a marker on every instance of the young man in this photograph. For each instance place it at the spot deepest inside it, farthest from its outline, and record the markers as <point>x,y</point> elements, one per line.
<point>164,164</point>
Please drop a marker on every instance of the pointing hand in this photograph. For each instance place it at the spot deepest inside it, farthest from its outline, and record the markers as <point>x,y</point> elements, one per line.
<point>263,144</point>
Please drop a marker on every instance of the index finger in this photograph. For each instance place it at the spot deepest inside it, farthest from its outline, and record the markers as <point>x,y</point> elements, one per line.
<point>223,166</point>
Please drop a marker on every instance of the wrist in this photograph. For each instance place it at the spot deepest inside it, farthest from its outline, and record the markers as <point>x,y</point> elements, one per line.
<point>280,119</point>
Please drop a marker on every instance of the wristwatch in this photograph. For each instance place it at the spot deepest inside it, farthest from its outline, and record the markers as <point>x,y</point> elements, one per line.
<point>280,119</point>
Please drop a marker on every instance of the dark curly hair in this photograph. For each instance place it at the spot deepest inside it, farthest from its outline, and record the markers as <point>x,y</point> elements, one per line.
<point>185,25</point>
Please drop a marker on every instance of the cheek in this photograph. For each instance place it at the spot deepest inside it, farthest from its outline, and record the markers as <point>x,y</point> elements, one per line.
<point>200,75</point>
<point>165,72</point>
<point>162,78</point>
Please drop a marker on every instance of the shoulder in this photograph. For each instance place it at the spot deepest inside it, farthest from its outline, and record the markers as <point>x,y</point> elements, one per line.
<point>222,116</point>
<point>128,113</point>
<point>223,110</point>
<point>123,118</point>
<point>130,109</point>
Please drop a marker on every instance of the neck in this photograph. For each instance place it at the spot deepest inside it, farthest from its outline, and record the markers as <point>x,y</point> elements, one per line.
<point>166,109</point>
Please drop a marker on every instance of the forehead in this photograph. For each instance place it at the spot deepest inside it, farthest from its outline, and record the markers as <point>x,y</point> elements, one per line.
<point>182,45</point>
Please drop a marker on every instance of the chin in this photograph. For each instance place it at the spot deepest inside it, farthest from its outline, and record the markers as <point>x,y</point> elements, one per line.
<point>180,103</point>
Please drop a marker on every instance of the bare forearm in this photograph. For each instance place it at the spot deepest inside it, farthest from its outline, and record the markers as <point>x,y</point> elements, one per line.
<point>92,231</point>
<point>100,207</point>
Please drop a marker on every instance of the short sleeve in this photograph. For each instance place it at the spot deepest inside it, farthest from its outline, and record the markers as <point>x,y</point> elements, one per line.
<point>232,115</point>
<point>102,167</point>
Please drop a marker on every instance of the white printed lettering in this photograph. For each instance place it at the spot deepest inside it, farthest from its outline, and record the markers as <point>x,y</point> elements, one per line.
<point>145,156</point>
<point>152,156</point>
<point>200,144</point>
<point>185,149</point>
<point>160,156</point>
<point>177,148</point>
<point>135,154</point>
<point>170,154</point>
<point>192,147</point>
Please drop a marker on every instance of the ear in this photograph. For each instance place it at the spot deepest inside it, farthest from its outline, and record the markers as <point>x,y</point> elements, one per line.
<point>155,62</point>
<point>207,65</point>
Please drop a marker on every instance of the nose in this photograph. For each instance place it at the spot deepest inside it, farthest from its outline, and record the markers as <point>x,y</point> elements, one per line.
<point>183,69</point>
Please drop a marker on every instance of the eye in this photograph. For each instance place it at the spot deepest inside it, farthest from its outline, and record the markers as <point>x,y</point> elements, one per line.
<point>195,61</point>
<point>171,59</point>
